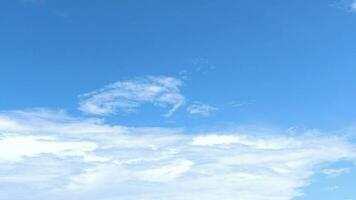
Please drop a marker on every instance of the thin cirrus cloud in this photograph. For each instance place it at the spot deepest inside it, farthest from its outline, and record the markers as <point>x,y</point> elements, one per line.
<point>126,96</point>
<point>199,109</point>
<point>353,6</point>
<point>46,154</point>
<point>336,172</point>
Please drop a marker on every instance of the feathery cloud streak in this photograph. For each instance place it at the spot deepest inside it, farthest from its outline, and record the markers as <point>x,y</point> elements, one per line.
<point>199,109</point>
<point>127,96</point>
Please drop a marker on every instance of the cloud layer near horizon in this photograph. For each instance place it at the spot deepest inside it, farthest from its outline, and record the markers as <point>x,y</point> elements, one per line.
<point>46,154</point>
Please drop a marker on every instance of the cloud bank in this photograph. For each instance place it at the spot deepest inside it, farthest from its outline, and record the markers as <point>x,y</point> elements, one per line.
<point>50,155</point>
<point>46,154</point>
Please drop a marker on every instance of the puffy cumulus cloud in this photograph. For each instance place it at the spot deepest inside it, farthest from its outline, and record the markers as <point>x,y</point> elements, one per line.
<point>50,155</point>
<point>127,96</point>
<point>199,109</point>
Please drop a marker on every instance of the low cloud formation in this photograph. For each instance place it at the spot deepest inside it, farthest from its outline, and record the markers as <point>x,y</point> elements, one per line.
<point>126,96</point>
<point>51,155</point>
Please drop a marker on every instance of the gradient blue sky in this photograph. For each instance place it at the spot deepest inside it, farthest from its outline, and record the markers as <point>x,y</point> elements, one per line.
<point>286,66</point>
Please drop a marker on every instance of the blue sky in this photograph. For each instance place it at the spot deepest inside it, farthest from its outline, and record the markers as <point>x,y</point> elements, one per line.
<point>195,95</point>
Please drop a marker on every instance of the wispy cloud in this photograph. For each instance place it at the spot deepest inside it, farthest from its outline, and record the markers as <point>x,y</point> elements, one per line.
<point>336,172</point>
<point>126,96</point>
<point>236,104</point>
<point>202,65</point>
<point>200,109</point>
<point>353,6</point>
<point>51,155</point>
<point>332,188</point>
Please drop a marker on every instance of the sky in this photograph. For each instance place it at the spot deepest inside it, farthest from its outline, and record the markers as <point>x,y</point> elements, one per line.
<point>177,100</point>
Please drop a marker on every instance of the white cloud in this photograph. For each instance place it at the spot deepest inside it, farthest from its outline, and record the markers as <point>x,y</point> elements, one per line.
<point>215,140</point>
<point>15,148</point>
<point>127,96</point>
<point>336,172</point>
<point>258,143</point>
<point>200,109</point>
<point>167,172</point>
<point>50,155</point>
<point>332,188</point>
